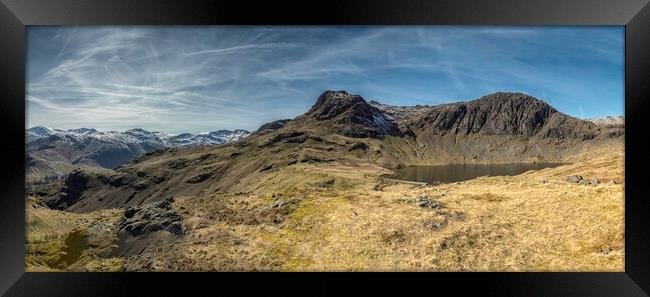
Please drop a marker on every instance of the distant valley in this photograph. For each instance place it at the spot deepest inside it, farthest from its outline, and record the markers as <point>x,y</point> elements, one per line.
<point>52,153</point>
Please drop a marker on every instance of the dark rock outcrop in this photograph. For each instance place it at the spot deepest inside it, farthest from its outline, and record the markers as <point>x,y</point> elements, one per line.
<point>151,217</point>
<point>426,202</point>
<point>73,187</point>
<point>272,126</point>
<point>284,136</point>
<point>358,146</point>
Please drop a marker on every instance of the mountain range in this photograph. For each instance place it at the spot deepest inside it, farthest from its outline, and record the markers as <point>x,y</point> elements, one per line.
<point>608,121</point>
<point>52,153</point>
<point>340,129</point>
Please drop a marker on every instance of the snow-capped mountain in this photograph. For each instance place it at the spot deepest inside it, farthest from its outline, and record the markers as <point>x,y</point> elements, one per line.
<point>608,121</point>
<point>136,136</point>
<point>51,153</point>
<point>216,137</point>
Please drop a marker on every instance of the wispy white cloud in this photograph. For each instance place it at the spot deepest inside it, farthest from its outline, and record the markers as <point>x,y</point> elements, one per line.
<point>176,79</point>
<point>238,49</point>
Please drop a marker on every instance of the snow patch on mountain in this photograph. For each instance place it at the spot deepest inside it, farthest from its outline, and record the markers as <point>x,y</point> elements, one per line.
<point>608,121</point>
<point>381,122</point>
<point>400,114</point>
<point>136,136</point>
<point>215,137</point>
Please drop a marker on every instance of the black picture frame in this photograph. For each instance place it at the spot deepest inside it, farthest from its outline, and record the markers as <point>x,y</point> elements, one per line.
<point>16,14</point>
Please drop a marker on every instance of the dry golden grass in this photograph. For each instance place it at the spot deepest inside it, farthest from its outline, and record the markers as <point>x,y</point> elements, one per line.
<point>340,217</point>
<point>59,240</point>
<point>514,223</point>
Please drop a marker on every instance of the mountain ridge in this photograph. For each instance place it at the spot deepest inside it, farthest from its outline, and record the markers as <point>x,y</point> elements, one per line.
<point>340,129</point>
<point>40,131</point>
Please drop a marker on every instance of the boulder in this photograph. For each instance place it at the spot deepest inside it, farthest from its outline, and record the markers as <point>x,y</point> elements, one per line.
<point>425,202</point>
<point>459,215</point>
<point>266,168</point>
<point>280,203</point>
<point>359,146</point>
<point>574,178</point>
<point>435,226</point>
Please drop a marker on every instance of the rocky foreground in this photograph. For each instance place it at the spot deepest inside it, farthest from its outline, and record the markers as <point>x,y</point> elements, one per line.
<point>307,194</point>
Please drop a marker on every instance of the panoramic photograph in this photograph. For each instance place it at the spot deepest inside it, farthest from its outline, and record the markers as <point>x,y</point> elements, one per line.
<point>324,148</point>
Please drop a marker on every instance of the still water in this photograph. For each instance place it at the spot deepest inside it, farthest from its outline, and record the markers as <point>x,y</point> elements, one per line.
<point>461,172</point>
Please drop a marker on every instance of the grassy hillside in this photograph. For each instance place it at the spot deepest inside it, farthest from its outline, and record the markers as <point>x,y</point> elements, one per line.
<point>342,217</point>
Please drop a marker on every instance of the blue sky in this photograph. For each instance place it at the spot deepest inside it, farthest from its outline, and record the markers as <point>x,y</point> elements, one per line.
<point>193,79</point>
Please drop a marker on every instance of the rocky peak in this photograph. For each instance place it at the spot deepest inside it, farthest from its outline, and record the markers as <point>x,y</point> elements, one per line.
<point>37,132</point>
<point>503,113</point>
<point>40,130</point>
<point>139,131</point>
<point>514,103</point>
<point>510,113</point>
<point>332,103</point>
<point>350,115</point>
<point>83,130</point>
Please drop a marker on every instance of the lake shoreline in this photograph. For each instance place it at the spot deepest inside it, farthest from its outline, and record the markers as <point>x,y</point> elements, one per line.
<point>451,173</point>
